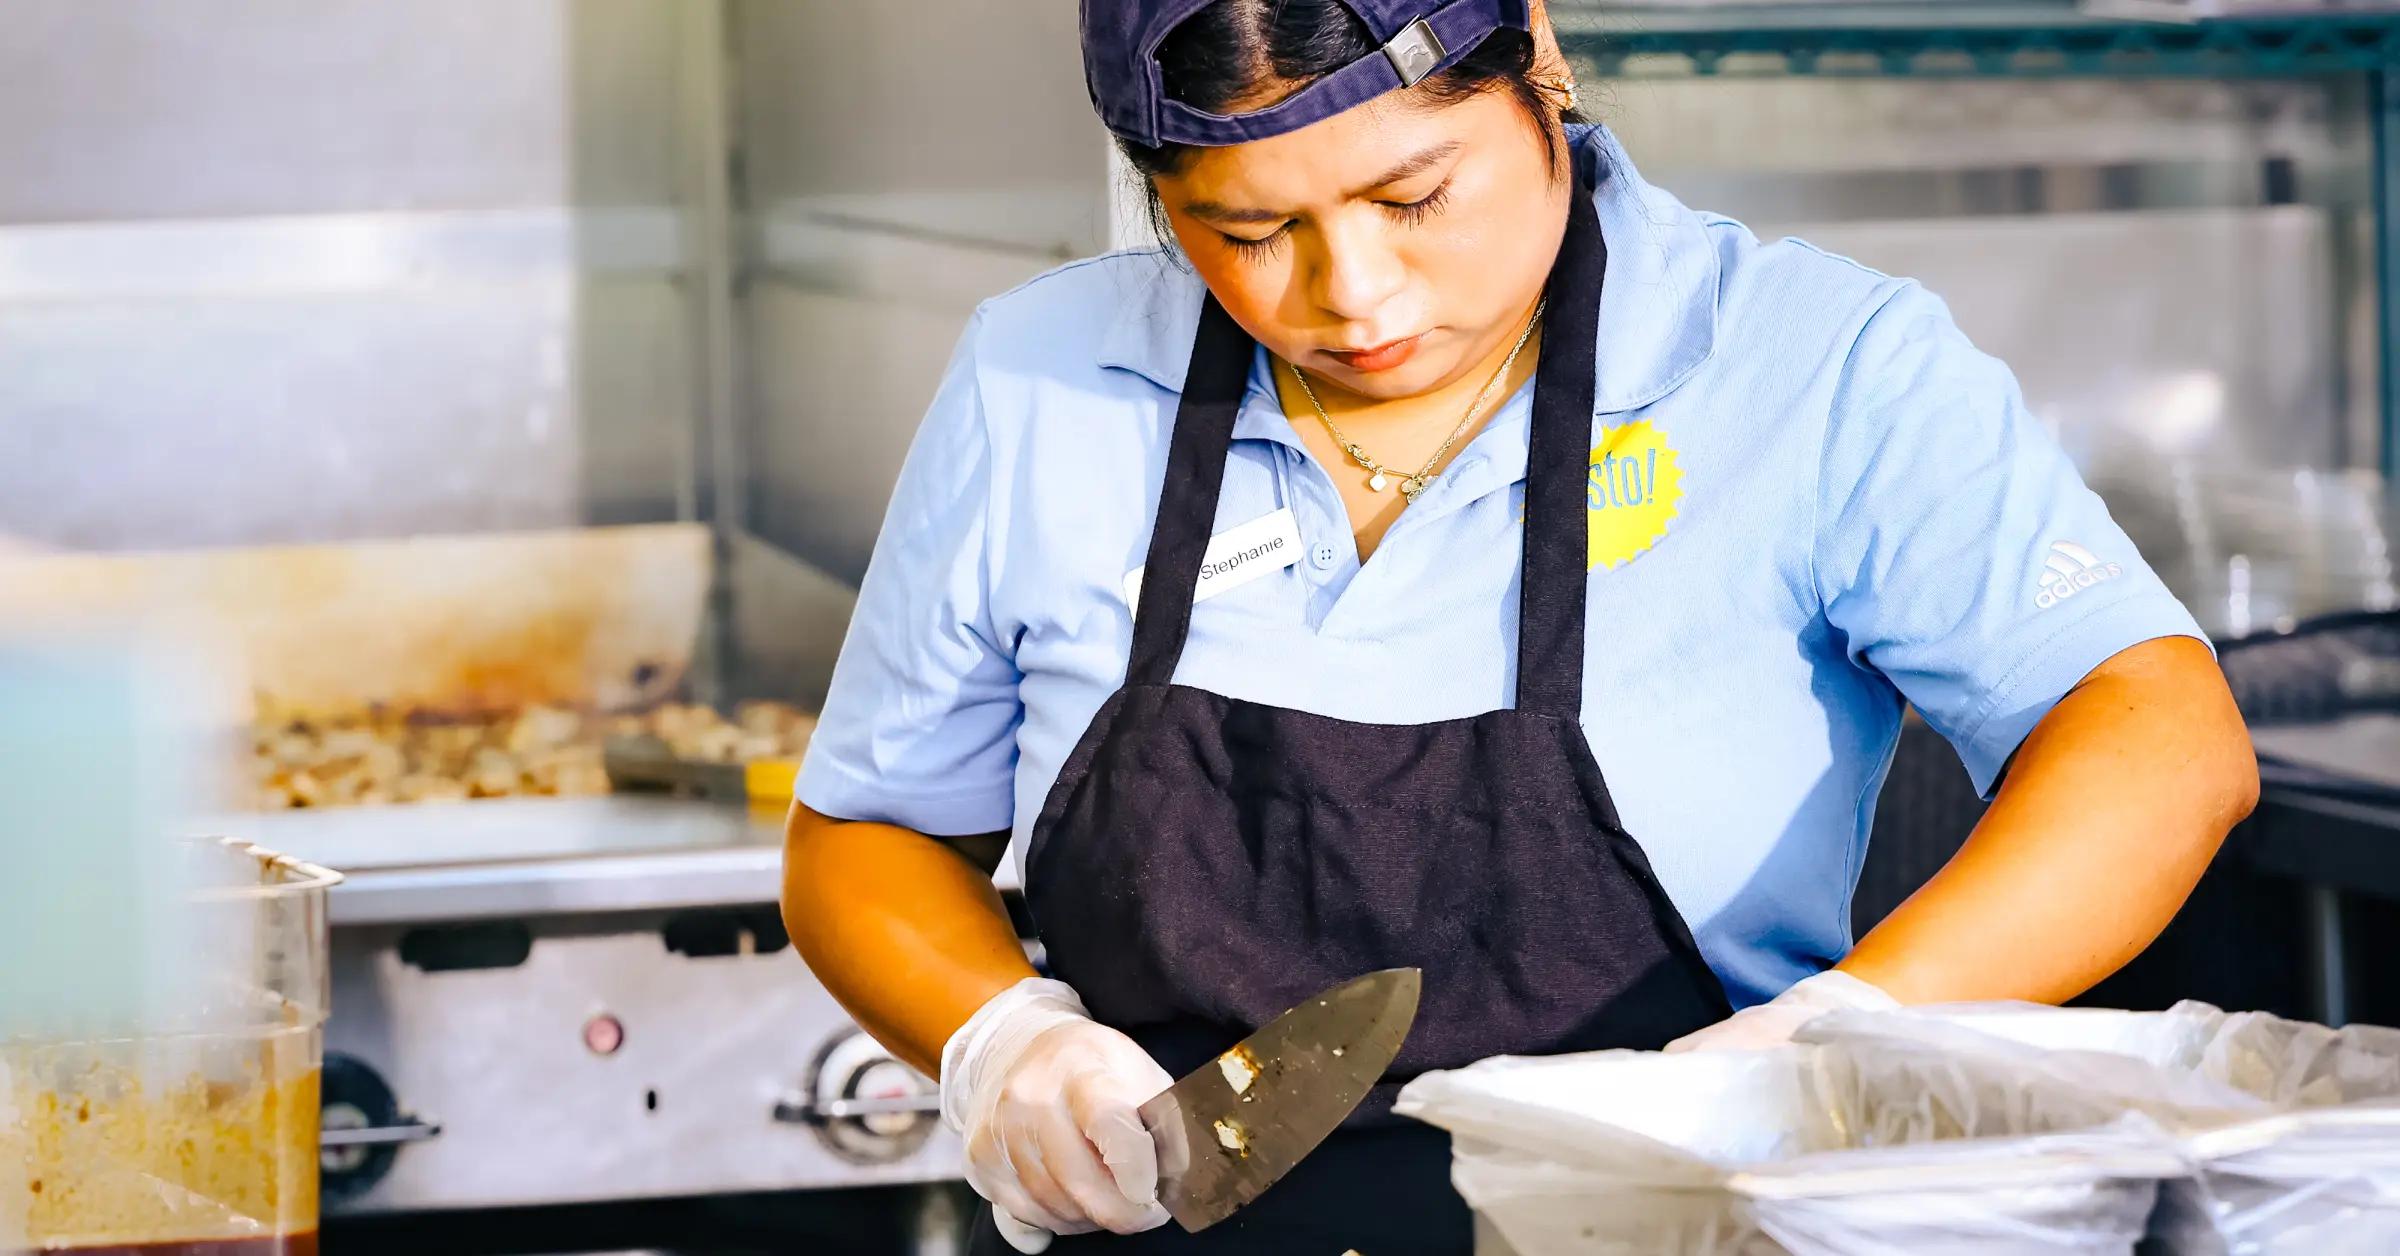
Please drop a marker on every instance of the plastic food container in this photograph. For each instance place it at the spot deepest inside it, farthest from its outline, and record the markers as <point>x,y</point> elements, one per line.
<point>1973,1129</point>
<point>2292,1130</point>
<point>1821,1151</point>
<point>195,1132</point>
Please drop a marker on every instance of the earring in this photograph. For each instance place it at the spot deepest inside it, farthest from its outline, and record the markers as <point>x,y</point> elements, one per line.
<point>1574,100</point>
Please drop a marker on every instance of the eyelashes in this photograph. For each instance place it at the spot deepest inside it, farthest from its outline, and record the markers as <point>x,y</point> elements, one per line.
<point>1410,213</point>
<point>1259,249</point>
<point>1406,213</point>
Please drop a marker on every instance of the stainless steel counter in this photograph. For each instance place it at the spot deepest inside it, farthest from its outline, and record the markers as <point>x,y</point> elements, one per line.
<point>511,857</point>
<point>506,857</point>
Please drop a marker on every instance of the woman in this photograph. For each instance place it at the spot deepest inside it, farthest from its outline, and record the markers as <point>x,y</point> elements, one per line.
<point>1281,602</point>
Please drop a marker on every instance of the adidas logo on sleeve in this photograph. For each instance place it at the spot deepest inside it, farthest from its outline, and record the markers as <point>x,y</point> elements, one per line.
<point>2069,570</point>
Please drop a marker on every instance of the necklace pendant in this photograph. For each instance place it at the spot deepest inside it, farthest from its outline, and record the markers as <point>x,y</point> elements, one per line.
<point>1412,486</point>
<point>1378,481</point>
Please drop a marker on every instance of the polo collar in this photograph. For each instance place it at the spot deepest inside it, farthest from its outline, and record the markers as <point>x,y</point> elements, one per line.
<point>1658,312</point>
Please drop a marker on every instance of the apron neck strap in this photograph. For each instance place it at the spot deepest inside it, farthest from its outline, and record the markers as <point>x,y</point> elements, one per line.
<point>1214,383</point>
<point>1550,612</point>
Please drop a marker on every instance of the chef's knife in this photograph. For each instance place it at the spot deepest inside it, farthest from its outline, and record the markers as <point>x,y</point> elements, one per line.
<point>1240,1122</point>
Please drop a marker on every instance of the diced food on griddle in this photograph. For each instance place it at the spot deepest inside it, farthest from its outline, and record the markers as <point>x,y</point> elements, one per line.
<point>384,756</point>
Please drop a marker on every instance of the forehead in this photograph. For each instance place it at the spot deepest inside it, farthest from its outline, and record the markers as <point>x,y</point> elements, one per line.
<point>1342,153</point>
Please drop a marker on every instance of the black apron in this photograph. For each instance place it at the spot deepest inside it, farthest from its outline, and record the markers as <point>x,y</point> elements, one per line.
<point>1204,864</point>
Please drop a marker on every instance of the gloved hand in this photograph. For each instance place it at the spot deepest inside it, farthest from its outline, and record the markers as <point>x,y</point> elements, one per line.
<point>1046,1100</point>
<point>1772,1024</point>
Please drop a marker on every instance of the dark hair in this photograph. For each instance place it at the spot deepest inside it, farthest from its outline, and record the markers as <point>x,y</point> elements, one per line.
<point>1234,52</point>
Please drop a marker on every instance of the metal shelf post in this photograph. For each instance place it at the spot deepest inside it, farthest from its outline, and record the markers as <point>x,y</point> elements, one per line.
<point>2384,100</point>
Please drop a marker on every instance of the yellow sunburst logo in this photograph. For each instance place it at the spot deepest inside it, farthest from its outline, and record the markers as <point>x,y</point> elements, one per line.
<point>1633,490</point>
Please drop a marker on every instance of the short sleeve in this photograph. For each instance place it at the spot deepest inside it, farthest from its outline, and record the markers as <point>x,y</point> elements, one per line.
<point>919,726</point>
<point>1958,550</point>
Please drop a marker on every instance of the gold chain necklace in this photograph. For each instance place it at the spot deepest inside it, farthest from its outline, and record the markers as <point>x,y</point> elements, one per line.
<point>1379,476</point>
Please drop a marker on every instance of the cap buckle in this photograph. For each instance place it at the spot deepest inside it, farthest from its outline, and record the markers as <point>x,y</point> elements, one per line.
<point>1414,52</point>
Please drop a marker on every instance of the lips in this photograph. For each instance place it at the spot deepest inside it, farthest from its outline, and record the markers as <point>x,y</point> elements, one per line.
<point>1382,357</point>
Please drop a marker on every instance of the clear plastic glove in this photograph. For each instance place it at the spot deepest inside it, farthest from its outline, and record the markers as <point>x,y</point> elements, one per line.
<point>1772,1024</point>
<point>1047,1100</point>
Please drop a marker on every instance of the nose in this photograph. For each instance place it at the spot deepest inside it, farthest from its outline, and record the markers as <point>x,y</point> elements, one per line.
<point>1358,271</point>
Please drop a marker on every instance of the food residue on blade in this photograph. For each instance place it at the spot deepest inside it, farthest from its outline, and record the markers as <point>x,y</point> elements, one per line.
<point>1231,1138</point>
<point>1240,1069</point>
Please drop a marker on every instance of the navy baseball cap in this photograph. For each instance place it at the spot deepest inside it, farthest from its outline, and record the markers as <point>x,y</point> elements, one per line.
<point>1419,37</point>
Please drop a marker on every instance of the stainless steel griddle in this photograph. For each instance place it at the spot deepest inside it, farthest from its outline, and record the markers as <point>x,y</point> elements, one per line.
<point>548,1001</point>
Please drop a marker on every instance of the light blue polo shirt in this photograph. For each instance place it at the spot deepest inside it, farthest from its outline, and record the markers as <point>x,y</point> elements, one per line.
<point>1813,502</point>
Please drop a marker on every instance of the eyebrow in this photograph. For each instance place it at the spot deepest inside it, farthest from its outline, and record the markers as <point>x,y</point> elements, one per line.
<point>1431,157</point>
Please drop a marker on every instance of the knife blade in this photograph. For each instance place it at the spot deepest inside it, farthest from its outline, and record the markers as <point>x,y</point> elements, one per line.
<point>1240,1122</point>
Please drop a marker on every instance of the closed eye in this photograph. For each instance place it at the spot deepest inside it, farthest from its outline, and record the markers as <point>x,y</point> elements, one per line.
<point>1264,246</point>
<point>1410,213</point>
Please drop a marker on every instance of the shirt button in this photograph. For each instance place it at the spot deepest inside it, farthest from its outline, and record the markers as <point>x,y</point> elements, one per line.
<point>1325,556</point>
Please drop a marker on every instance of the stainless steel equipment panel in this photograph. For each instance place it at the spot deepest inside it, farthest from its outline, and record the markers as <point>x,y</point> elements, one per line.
<point>603,1066</point>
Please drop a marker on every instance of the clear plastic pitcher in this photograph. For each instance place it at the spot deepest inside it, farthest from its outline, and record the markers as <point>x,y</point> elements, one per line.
<point>195,1133</point>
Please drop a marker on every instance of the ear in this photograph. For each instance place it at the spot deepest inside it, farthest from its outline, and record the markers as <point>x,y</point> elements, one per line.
<point>1551,70</point>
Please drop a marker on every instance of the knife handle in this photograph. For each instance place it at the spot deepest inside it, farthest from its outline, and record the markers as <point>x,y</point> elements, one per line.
<point>1029,1239</point>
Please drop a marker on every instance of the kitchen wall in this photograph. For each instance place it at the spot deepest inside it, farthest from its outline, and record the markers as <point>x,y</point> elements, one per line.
<point>2178,272</point>
<point>304,269</point>
<point>308,270</point>
<point>895,171</point>
<point>2163,261</point>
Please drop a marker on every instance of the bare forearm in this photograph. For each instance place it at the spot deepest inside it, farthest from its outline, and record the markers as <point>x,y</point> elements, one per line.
<point>908,935</point>
<point>2112,810</point>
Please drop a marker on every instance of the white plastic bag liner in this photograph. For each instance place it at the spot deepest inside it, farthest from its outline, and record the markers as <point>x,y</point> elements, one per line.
<point>1856,1151</point>
<point>2292,1129</point>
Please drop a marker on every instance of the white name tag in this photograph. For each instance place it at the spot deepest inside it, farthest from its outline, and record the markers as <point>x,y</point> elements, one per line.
<point>1236,557</point>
